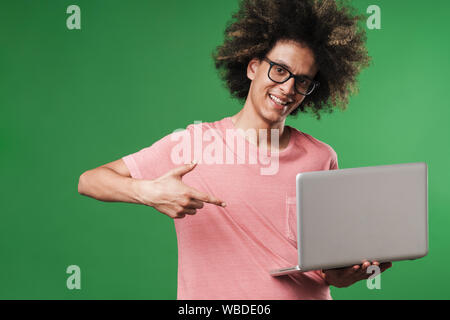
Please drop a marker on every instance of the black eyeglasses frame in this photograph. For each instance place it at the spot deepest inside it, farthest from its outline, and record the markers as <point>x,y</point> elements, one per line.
<point>315,83</point>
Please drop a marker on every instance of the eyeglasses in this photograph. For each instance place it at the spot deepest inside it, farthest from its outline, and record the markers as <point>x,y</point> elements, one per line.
<point>279,74</point>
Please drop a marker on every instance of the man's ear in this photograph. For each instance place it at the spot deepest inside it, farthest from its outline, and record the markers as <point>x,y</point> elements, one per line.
<point>252,68</point>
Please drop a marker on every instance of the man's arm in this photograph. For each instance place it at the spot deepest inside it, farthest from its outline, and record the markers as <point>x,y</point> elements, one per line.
<point>109,182</point>
<point>168,194</point>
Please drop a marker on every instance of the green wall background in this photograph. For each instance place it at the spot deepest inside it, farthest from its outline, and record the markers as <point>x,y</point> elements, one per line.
<point>72,100</point>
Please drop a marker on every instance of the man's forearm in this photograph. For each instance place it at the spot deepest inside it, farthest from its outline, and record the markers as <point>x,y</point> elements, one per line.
<point>106,184</point>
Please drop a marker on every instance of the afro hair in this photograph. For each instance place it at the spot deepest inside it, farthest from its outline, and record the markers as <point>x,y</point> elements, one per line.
<point>331,29</point>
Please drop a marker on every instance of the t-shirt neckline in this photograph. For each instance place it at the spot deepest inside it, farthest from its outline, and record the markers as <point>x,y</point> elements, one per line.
<point>230,125</point>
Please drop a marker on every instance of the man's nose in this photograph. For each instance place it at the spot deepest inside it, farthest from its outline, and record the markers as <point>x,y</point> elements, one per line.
<point>288,87</point>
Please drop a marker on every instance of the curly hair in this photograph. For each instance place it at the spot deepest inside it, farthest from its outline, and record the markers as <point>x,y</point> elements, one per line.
<point>331,29</point>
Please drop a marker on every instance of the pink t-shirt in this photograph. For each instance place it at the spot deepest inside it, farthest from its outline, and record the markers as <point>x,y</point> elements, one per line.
<point>227,253</point>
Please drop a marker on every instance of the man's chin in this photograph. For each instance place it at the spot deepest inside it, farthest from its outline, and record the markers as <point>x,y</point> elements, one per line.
<point>274,116</point>
<point>271,120</point>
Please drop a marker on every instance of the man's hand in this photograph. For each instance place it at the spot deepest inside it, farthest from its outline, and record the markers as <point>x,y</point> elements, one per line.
<point>344,277</point>
<point>170,196</point>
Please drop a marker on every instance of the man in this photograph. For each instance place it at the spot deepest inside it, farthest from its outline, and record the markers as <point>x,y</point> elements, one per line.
<point>234,221</point>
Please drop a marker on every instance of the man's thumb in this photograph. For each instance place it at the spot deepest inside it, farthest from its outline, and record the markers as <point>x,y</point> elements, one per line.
<point>182,170</point>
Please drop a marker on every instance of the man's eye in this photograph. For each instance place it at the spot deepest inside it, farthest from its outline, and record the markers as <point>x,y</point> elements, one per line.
<point>280,70</point>
<point>303,81</point>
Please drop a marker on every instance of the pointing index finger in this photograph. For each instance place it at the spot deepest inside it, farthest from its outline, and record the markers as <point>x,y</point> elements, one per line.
<point>207,198</point>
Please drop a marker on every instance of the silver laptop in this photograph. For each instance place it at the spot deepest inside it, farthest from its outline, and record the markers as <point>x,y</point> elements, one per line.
<point>346,216</point>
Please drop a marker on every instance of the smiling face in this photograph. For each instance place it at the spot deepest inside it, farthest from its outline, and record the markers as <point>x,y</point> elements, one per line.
<point>263,93</point>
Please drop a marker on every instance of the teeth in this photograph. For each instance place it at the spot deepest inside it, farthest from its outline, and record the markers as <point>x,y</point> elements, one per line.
<point>278,100</point>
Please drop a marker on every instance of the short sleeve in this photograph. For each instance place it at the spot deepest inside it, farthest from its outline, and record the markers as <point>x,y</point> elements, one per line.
<point>165,154</point>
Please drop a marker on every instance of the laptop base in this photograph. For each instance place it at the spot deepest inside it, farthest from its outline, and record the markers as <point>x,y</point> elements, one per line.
<point>284,271</point>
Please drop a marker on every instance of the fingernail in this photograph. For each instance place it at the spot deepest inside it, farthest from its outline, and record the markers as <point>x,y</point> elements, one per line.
<point>223,204</point>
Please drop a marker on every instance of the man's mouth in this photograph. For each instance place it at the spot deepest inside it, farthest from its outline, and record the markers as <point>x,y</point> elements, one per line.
<point>279,102</point>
